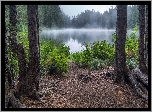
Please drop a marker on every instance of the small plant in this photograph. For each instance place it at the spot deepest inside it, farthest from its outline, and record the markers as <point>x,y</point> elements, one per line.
<point>96,64</point>
<point>131,63</point>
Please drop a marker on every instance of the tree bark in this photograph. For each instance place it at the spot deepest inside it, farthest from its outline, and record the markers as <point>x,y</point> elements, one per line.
<point>143,78</point>
<point>136,80</point>
<point>9,85</point>
<point>120,58</point>
<point>146,36</point>
<point>7,69</point>
<point>141,46</point>
<point>32,76</point>
<point>17,48</point>
<point>10,97</point>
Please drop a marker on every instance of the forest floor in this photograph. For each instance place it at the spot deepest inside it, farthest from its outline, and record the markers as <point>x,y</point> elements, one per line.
<point>82,91</point>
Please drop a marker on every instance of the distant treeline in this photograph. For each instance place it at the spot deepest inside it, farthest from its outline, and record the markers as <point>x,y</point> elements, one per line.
<point>51,16</point>
<point>92,19</point>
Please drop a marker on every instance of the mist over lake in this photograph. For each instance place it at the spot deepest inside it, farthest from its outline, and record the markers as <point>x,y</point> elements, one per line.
<point>75,38</point>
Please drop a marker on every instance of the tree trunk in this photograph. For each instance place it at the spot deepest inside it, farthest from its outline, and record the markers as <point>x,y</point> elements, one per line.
<point>142,61</point>
<point>17,48</point>
<point>10,97</point>
<point>138,78</point>
<point>7,69</point>
<point>146,36</point>
<point>9,86</point>
<point>120,58</point>
<point>32,77</point>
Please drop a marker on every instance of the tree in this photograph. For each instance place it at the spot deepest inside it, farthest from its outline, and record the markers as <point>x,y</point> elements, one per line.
<point>146,37</point>
<point>18,49</point>
<point>14,46</point>
<point>141,41</point>
<point>136,78</point>
<point>28,76</point>
<point>120,58</point>
<point>50,16</point>
<point>132,16</point>
<point>32,76</point>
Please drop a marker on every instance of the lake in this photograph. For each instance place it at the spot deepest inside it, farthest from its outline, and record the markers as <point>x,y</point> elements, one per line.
<point>75,38</point>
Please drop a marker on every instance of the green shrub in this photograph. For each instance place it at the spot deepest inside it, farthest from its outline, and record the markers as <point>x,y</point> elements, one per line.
<point>64,49</point>
<point>95,56</point>
<point>57,63</point>
<point>54,59</point>
<point>86,56</point>
<point>76,57</point>
<point>131,63</point>
<point>97,64</point>
<point>102,50</point>
<point>131,45</point>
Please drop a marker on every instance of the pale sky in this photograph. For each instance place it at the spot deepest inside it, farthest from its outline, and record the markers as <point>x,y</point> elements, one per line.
<point>74,10</point>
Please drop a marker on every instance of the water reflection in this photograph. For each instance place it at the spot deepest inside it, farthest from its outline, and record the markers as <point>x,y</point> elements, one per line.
<point>74,45</point>
<point>75,38</point>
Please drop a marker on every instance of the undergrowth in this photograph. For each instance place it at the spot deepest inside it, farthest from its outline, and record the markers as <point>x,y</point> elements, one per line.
<point>54,56</point>
<point>101,53</point>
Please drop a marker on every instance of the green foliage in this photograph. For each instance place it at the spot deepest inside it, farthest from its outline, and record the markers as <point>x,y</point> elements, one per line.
<point>86,56</point>
<point>13,63</point>
<point>53,58</point>
<point>101,54</point>
<point>95,56</point>
<point>12,57</point>
<point>97,64</point>
<point>59,63</point>
<point>50,16</point>
<point>113,38</point>
<point>131,45</point>
<point>64,49</point>
<point>22,18</point>
<point>102,50</point>
<point>22,38</point>
<point>76,57</point>
<point>131,63</point>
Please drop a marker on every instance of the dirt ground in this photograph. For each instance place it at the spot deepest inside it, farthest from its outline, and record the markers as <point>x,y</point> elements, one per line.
<point>80,90</point>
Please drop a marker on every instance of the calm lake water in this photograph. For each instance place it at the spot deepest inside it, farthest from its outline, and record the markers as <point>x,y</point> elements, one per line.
<point>75,38</point>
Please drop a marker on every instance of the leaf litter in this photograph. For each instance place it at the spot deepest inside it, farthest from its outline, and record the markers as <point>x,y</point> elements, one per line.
<point>80,90</point>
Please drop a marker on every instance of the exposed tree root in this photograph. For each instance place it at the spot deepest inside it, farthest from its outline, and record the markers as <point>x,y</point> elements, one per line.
<point>10,98</point>
<point>138,81</point>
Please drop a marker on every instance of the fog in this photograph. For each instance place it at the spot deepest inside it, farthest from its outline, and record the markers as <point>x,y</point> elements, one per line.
<point>75,38</point>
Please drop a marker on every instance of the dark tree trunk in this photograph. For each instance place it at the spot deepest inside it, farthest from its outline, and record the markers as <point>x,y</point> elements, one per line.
<point>7,69</point>
<point>141,46</point>
<point>17,48</point>
<point>9,86</point>
<point>34,53</point>
<point>138,78</point>
<point>146,36</point>
<point>120,58</point>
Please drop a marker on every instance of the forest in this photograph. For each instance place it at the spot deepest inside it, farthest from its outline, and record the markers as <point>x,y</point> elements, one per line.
<point>42,73</point>
<point>87,19</point>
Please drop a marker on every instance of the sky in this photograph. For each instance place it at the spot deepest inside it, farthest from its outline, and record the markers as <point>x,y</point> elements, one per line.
<point>74,10</point>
